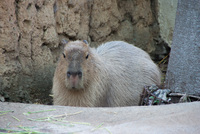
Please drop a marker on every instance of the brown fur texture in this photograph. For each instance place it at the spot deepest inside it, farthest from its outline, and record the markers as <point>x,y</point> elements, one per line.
<point>112,75</point>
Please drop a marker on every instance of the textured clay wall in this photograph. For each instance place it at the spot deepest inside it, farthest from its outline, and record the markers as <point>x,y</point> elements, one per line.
<point>31,31</point>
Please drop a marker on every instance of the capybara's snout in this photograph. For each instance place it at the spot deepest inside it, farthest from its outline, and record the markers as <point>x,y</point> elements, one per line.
<point>74,79</point>
<point>74,74</point>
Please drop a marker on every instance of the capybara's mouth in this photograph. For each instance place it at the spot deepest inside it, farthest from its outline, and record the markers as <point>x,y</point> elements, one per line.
<point>75,89</point>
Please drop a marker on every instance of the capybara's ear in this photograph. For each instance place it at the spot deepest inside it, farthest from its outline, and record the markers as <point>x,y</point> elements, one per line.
<point>85,41</point>
<point>64,41</point>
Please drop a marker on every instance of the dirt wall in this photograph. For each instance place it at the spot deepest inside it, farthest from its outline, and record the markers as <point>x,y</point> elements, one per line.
<point>31,31</point>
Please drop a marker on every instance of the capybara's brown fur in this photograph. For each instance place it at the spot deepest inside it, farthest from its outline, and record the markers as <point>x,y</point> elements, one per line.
<point>112,75</point>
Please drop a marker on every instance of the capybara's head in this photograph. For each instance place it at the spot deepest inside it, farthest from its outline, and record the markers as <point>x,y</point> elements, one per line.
<point>75,61</point>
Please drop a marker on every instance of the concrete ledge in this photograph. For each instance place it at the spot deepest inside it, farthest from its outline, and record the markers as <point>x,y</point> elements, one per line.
<point>175,118</point>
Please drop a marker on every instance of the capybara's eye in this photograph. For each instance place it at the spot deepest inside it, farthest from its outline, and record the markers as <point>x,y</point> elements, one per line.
<point>87,56</point>
<point>79,74</point>
<point>68,74</point>
<point>63,55</point>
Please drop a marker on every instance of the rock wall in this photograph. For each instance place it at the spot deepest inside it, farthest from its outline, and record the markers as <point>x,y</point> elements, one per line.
<point>31,31</point>
<point>166,19</point>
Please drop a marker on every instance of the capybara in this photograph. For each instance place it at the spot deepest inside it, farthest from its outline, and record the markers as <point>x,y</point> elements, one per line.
<point>112,75</point>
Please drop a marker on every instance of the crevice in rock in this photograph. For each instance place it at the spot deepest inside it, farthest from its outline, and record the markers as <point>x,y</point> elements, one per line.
<point>44,44</point>
<point>16,12</point>
<point>29,6</point>
<point>71,3</point>
<point>128,17</point>
<point>17,47</point>
<point>4,50</point>
<point>37,7</point>
<point>55,7</point>
<point>71,38</point>
<point>45,28</point>
<point>27,23</point>
<point>161,46</point>
<point>154,9</point>
<point>90,5</point>
<point>31,46</point>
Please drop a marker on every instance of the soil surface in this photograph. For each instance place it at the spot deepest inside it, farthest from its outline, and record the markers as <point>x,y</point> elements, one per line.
<point>165,119</point>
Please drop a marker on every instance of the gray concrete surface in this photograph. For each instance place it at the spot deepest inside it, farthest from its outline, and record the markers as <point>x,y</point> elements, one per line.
<point>183,72</point>
<point>167,119</point>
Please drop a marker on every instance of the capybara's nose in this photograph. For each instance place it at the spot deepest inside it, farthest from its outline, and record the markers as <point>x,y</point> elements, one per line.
<point>71,73</point>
